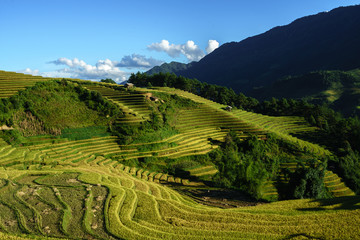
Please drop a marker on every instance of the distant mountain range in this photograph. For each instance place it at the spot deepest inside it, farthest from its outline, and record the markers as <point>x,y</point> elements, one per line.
<point>325,41</point>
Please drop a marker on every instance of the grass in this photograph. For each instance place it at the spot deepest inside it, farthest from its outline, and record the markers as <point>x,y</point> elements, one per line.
<point>85,133</point>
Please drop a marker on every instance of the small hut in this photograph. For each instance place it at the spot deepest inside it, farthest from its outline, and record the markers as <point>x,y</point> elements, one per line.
<point>228,108</point>
<point>129,85</point>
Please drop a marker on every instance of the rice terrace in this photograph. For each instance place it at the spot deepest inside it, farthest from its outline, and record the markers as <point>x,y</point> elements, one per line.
<point>180,120</point>
<point>149,169</point>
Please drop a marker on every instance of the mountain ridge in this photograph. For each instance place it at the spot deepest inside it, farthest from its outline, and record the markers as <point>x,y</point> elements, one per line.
<point>324,41</point>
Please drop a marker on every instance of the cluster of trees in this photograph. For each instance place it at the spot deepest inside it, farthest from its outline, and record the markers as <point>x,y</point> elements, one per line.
<point>307,181</point>
<point>213,92</point>
<point>249,164</point>
<point>108,80</point>
<point>245,164</point>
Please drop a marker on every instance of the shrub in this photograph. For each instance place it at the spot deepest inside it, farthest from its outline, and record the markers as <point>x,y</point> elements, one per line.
<point>308,181</point>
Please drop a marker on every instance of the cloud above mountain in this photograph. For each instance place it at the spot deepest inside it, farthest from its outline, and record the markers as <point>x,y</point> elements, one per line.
<point>77,68</point>
<point>212,45</point>
<point>138,61</point>
<point>189,49</point>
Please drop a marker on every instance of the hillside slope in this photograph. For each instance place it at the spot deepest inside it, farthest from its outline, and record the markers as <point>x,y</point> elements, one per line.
<point>338,89</point>
<point>89,183</point>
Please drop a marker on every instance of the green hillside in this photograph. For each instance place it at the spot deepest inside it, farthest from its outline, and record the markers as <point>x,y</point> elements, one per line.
<point>338,89</point>
<point>86,160</point>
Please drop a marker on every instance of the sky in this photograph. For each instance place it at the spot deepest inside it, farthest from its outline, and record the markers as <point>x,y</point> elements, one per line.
<point>114,38</point>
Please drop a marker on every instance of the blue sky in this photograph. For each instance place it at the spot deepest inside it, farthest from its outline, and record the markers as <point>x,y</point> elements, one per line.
<point>112,38</point>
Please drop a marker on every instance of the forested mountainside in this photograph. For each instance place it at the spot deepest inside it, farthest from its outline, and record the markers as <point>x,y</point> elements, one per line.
<point>338,90</point>
<point>325,41</point>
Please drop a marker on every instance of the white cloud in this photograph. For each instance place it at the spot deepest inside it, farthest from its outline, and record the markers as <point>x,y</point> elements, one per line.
<point>34,72</point>
<point>164,46</point>
<point>75,68</point>
<point>138,61</point>
<point>80,69</point>
<point>190,50</point>
<point>212,45</point>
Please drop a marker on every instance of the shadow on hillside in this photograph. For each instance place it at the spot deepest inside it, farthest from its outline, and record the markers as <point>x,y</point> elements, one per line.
<point>215,141</point>
<point>218,197</point>
<point>339,203</point>
<point>301,236</point>
<point>317,137</point>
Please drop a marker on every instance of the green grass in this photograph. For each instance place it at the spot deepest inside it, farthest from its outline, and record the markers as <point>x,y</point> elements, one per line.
<point>85,133</point>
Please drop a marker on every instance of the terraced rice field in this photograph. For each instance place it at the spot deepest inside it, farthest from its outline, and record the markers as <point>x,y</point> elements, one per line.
<point>202,171</point>
<point>336,186</point>
<point>204,116</point>
<point>133,104</point>
<point>103,201</point>
<point>206,123</point>
<point>184,144</point>
<point>11,83</point>
<point>281,126</point>
<point>269,191</point>
<point>84,189</point>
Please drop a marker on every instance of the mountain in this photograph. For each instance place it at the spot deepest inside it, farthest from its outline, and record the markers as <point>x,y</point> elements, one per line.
<point>173,67</point>
<point>325,41</point>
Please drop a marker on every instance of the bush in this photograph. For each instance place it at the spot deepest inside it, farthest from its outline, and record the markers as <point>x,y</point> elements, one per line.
<point>350,170</point>
<point>308,181</point>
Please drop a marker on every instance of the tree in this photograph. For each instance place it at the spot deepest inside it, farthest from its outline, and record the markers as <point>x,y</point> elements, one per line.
<point>308,181</point>
<point>108,80</point>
